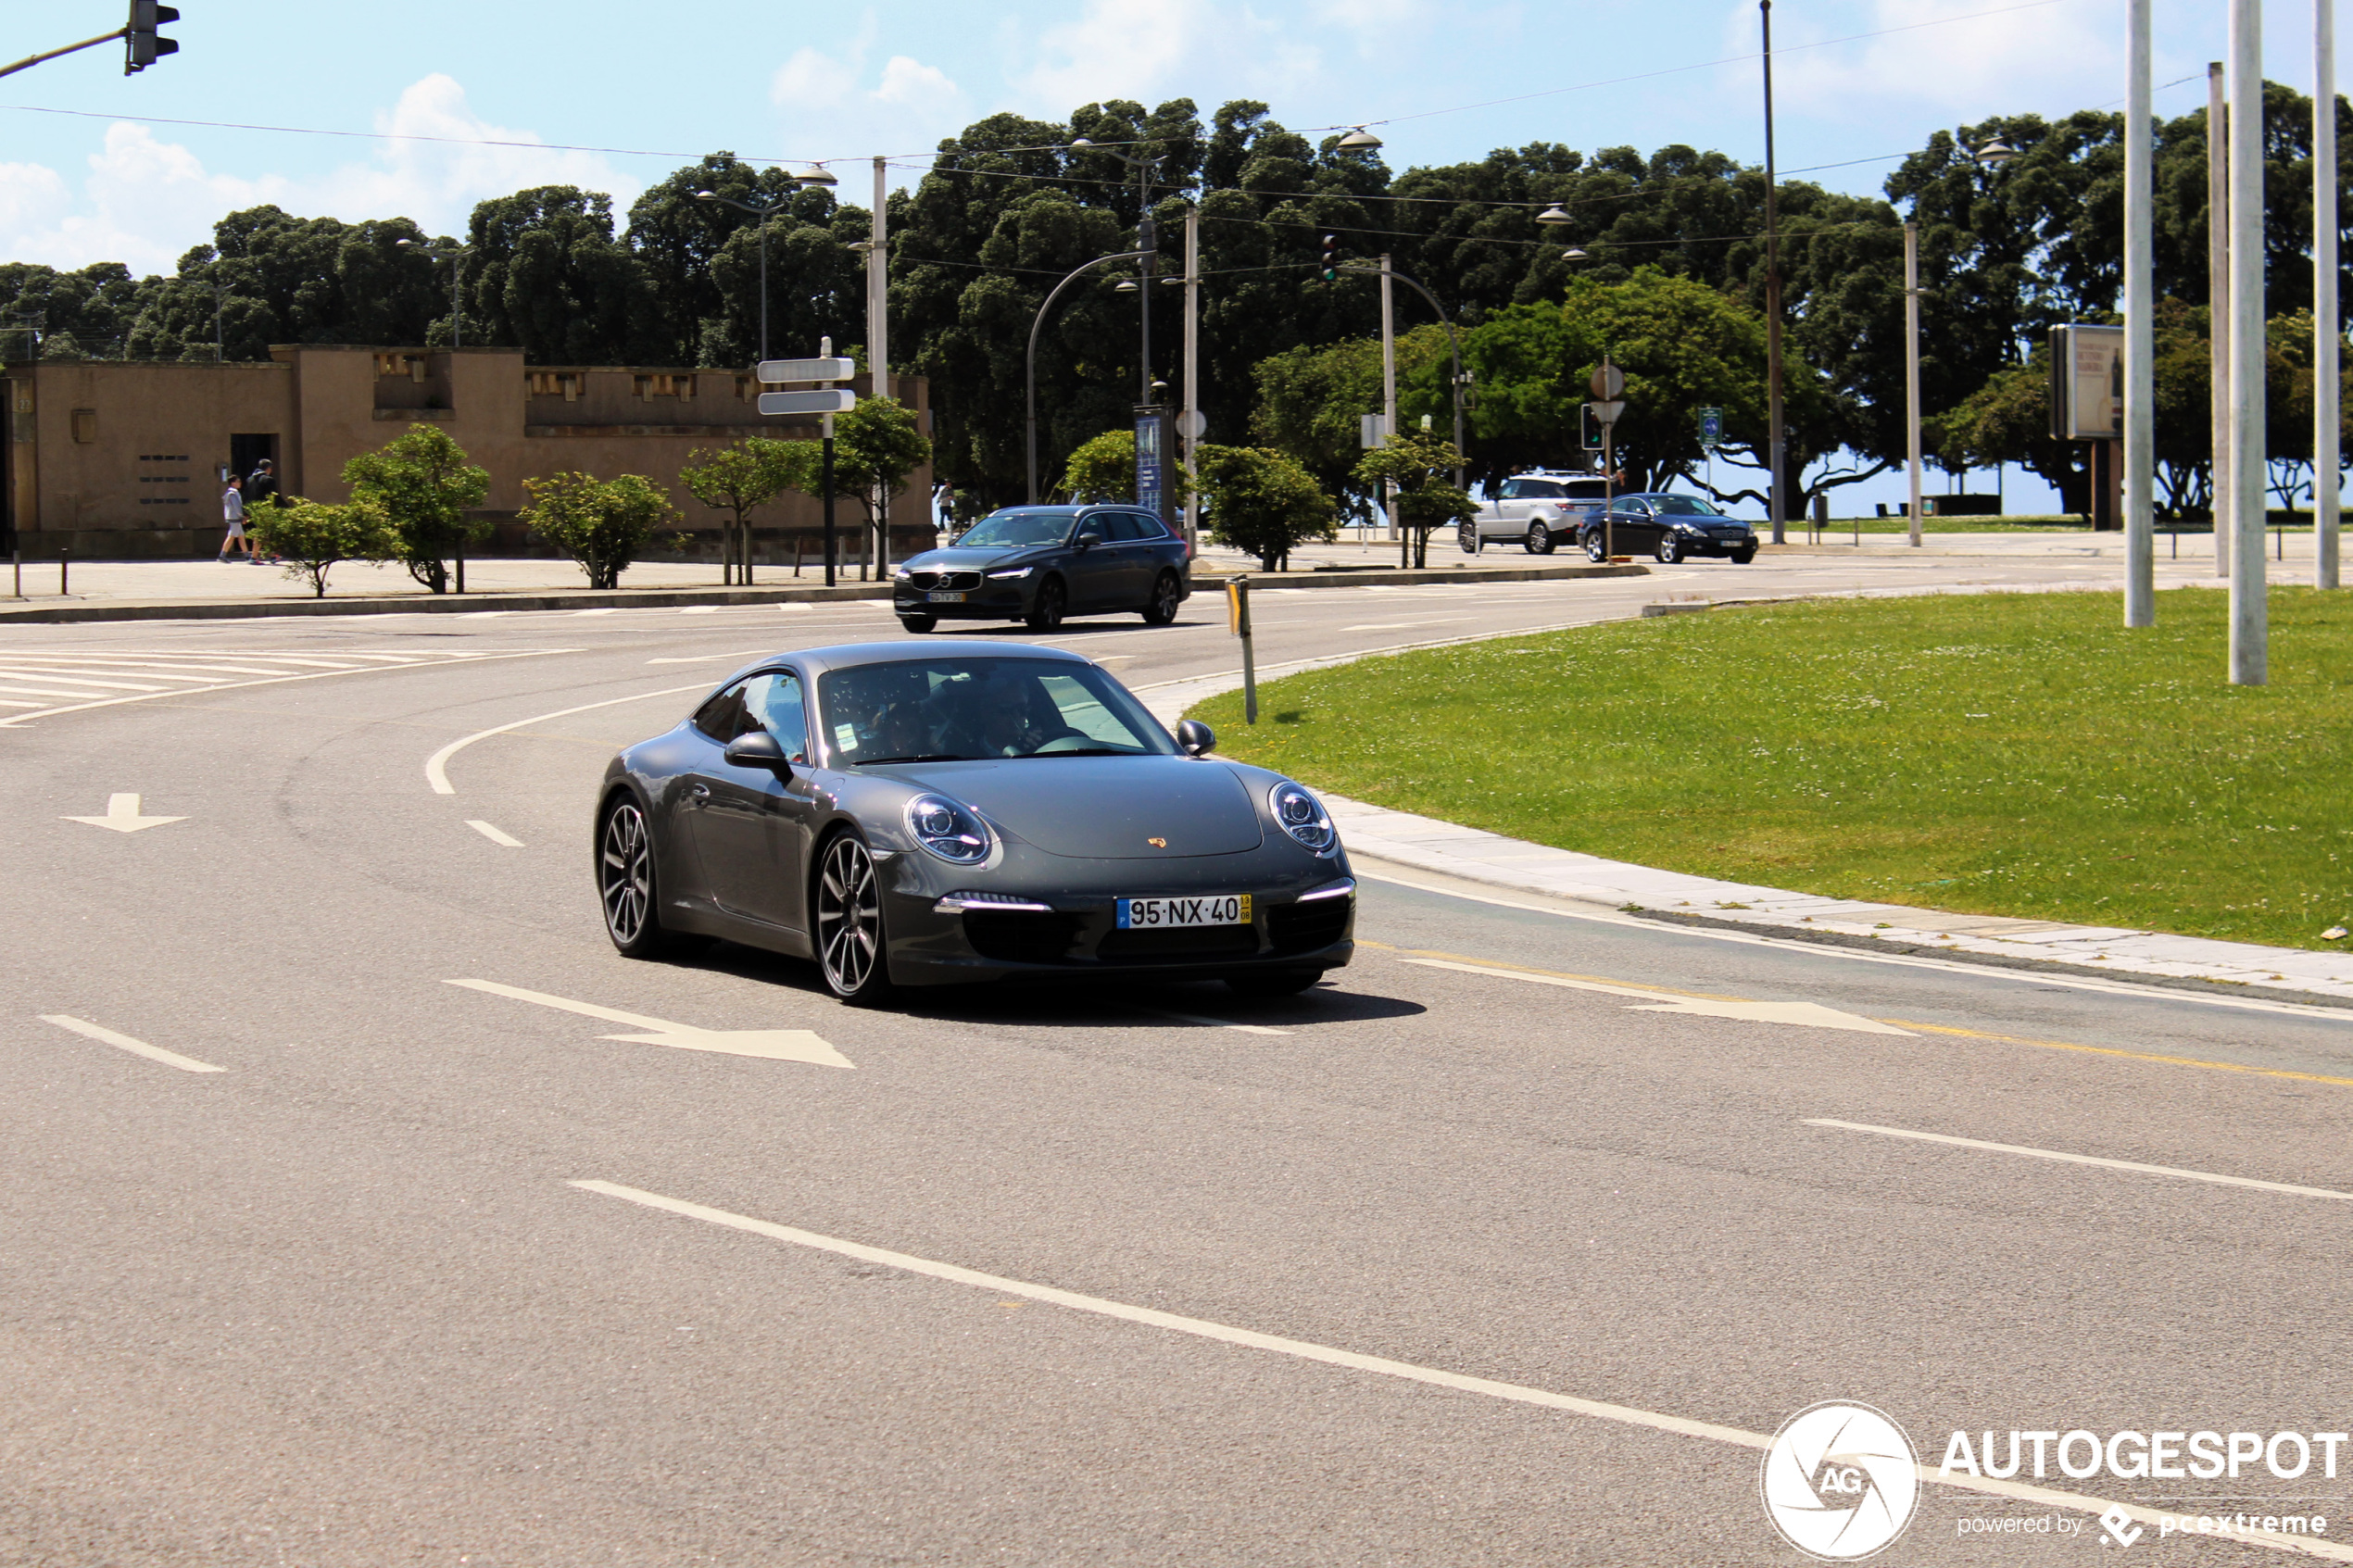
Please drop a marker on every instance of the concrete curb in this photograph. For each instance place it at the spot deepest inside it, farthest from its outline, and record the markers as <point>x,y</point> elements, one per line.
<point>1396,577</point>
<point>434,604</point>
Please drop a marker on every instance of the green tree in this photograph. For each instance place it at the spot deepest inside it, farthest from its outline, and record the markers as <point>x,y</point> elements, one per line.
<point>422,485</point>
<point>878,445</point>
<point>1261,501</point>
<point>312,536</point>
<point>1104,470</point>
<point>544,273</point>
<point>740,479</point>
<point>1312,402</point>
<point>1419,467</point>
<point>602,524</point>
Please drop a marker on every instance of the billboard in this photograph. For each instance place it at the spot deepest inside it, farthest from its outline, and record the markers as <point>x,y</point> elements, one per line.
<point>2087,382</point>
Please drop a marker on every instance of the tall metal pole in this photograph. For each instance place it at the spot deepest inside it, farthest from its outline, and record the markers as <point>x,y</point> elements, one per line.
<point>1029,393</point>
<point>1147,241</point>
<point>1388,381</point>
<point>1193,374</point>
<point>2140,336</point>
<point>1912,374</point>
<point>2249,623</point>
<point>1772,296</point>
<point>763,317</point>
<point>2325,329</point>
<point>2218,297</point>
<point>457,308</point>
<point>825,351</point>
<point>878,345</point>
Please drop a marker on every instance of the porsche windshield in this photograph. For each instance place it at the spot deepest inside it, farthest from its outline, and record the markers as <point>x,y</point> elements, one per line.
<point>1010,531</point>
<point>969,710</point>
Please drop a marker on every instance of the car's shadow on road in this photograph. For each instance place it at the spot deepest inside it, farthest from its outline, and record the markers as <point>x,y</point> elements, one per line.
<point>1081,1001</point>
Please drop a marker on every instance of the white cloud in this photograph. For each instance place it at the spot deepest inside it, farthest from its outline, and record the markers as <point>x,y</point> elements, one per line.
<point>1144,49</point>
<point>1986,65</point>
<point>829,105</point>
<point>146,201</point>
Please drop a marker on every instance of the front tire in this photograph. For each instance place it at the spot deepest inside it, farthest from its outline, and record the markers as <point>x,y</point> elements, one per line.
<point>1168,594</point>
<point>852,951</point>
<point>626,882</point>
<point>1269,985</point>
<point>1046,610</point>
<point>919,623</point>
<point>1670,549</point>
<point>1468,537</point>
<point>1596,547</point>
<point>1540,539</point>
<point>1742,558</point>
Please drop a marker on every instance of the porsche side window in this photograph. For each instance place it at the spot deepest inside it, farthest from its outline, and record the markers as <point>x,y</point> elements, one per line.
<point>774,700</point>
<point>1082,710</point>
<point>725,717</point>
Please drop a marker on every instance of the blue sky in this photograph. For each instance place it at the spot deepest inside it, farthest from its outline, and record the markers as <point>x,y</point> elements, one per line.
<point>845,81</point>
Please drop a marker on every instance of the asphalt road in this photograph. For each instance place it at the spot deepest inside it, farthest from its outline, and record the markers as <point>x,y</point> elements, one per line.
<point>344,1300</point>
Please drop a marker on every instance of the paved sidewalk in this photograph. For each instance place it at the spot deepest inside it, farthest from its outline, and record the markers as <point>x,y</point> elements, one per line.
<point>1473,855</point>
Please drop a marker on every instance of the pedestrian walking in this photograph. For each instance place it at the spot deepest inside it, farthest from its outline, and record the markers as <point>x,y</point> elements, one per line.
<point>232,513</point>
<point>261,489</point>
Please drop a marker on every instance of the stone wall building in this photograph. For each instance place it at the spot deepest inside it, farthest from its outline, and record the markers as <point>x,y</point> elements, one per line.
<point>124,459</point>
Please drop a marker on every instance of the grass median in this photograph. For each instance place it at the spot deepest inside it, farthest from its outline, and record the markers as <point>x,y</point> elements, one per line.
<point>2015,754</point>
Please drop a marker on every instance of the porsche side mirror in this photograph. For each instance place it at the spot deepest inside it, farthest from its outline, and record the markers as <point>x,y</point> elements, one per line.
<point>758,748</point>
<point>1195,737</point>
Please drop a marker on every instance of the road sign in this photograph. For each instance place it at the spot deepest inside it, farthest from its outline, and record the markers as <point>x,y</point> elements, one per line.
<point>1193,423</point>
<point>1711,428</point>
<point>1607,382</point>
<point>829,400</point>
<point>1372,431</point>
<point>1607,412</point>
<point>833,369</point>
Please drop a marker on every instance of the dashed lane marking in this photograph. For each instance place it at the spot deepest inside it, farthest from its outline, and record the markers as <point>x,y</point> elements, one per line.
<point>504,840</point>
<point>88,1030</point>
<point>2288,1187</point>
<point>1351,1361</point>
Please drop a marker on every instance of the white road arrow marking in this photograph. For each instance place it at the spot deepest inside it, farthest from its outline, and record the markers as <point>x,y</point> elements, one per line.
<point>777,1044</point>
<point>1810,1014</point>
<point>122,815</point>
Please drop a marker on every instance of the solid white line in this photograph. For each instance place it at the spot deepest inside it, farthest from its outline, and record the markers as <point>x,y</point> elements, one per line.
<point>61,676</point>
<point>1307,1351</point>
<point>2288,1187</point>
<point>436,765</point>
<point>23,705</point>
<point>273,681</point>
<point>493,834</point>
<point>707,657</point>
<point>124,1042</point>
<point>45,691</point>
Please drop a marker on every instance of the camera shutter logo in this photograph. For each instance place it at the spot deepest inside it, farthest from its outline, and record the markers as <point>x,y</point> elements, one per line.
<point>1840,1481</point>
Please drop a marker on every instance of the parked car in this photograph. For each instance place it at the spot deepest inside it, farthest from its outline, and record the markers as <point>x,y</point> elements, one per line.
<point>1537,509</point>
<point>1038,564</point>
<point>951,812</point>
<point>1670,527</point>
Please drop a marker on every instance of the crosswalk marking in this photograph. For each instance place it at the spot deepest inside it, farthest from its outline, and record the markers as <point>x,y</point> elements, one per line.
<point>87,678</point>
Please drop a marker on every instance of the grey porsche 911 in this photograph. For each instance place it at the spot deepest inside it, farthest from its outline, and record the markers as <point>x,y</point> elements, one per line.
<point>973,811</point>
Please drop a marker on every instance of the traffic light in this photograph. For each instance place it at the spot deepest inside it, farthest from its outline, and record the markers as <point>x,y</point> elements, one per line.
<point>141,47</point>
<point>1331,257</point>
<point>1592,428</point>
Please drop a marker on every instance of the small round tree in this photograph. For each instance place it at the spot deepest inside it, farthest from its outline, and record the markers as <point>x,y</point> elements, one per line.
<point>1260,501</point>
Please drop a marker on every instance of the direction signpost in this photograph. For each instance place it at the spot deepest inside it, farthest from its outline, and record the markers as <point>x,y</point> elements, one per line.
<point>1609,385</point>
<point>824,401</point>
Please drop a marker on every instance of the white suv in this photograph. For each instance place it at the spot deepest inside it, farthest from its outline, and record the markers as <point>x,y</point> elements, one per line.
<point>1540,509</point>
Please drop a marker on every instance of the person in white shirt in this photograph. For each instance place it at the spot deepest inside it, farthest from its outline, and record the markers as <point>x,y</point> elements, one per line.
<point>232,512</point>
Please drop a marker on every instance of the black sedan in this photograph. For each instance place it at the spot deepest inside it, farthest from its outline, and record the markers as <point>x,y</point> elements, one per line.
<point>1670,527</point>
<point>1038,564</point>
<point>971,812</point>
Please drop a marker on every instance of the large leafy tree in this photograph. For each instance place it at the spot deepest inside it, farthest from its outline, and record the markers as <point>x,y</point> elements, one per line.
<point>1312,402</point>
<point>544,273</point>
<point>422,487</point>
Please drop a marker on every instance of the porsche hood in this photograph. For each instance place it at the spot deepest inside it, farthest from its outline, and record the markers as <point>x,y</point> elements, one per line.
<point>1106,807</point>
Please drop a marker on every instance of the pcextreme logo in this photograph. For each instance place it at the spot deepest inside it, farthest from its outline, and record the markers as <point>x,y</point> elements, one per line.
<point>1840,1481</point>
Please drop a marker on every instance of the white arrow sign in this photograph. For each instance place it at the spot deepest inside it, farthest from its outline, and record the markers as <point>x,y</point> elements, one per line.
<point>830,400</point>
<point>1812,1014</point>
<point>122,815</point>
<point>832,368</point>
<point>777,1044</point>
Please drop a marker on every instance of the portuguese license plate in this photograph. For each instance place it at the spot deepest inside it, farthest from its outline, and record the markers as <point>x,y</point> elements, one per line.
<point>1164,914</point>
<point>940,598</point>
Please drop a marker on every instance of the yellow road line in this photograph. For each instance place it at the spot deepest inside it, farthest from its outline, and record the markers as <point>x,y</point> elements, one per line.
<point>1899,1023</point>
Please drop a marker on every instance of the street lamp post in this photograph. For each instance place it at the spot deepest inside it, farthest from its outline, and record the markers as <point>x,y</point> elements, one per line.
<point>1030,393</point>
<point>457,311</point>
<point>1772,299</point>
<point>1147,244</point>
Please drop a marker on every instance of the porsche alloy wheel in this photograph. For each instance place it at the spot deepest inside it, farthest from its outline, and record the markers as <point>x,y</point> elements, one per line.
<point>849,923</point>
<point>625,881</point>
